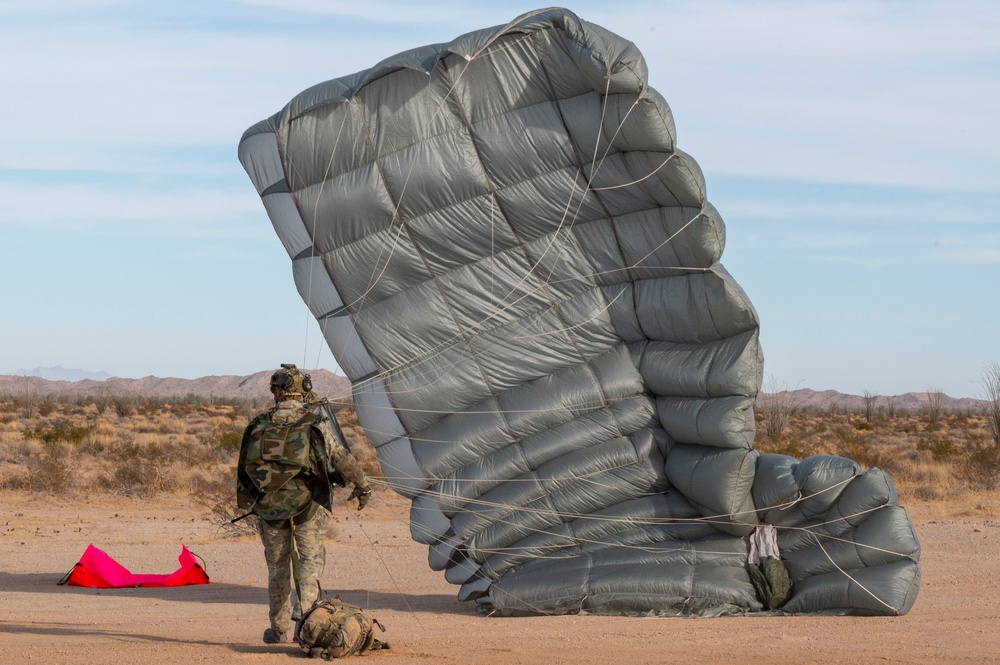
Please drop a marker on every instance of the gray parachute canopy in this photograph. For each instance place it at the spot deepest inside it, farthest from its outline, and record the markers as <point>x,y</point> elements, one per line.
<point>519,272</point>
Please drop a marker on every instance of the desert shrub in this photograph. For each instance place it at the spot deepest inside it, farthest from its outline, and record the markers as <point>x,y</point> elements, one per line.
<point>785,445</point>
<point>49,472</point>
<point>101,402</point>
<point>981,468</point>
<point>777,405</point>
<point>245,409</point>
<point>229,440</point>
<point>59,431</point>
<point>941,447</point>
<point>124,403</point>
<point>865,426</point>
<point>219,496</point>
<point>95,443</point>
<point>141,470</point>
<point>222,438</point>
<point>864,449</point>
<point>929,493</point>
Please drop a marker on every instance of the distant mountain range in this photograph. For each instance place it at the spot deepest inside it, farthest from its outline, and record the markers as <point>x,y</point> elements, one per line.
<point>325,383</point>
<point>60,373</point>
<point>827,400</point>
<point>336,387</point>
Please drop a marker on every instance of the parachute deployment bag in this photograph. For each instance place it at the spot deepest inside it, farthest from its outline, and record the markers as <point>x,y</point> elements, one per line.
<point>335,629</point>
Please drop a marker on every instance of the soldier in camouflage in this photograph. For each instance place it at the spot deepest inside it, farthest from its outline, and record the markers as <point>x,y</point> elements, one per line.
<point>290,458</point>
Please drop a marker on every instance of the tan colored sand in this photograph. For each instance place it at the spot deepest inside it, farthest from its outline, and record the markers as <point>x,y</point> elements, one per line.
<point>373,562</point>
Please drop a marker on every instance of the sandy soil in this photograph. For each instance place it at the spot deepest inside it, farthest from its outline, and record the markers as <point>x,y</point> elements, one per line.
<point>372,562</point>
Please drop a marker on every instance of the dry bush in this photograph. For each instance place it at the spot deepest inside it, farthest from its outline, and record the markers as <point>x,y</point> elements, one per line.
<point>925,480</point>
<point>865,449</point>
<point>99,440</point>
<point>49,472</point>
<point>222,437</point>
<point>218,495</point>
<point>139,470</point>
<point>934,404</point>
<point>990,381</point>
<point>776,406</point>
<point>784,445</point>
<point>981,468</point>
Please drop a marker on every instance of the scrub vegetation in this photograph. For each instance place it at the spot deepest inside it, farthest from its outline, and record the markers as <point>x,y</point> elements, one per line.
<point>931,455</point>
<point>86,446</point>
<point>81,446</point>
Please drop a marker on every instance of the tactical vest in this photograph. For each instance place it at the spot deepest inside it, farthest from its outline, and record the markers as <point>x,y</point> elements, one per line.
<point>278,473</point>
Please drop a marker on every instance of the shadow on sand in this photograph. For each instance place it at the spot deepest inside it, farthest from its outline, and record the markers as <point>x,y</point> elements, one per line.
<point>222,592</point>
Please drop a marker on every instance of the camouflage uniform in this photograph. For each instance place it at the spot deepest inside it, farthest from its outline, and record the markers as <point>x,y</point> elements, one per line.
<point>284,520</point>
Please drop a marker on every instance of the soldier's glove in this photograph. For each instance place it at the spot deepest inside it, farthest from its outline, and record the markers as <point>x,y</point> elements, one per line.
<point>362,494</point>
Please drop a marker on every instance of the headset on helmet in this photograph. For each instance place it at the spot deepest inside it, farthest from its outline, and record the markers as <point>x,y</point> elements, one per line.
<point>290,380</point>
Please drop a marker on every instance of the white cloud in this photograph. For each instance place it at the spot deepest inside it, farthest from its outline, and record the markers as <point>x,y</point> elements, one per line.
<point>185,212</point>
<point>54,8</point>
<point>976,256</point>
<point>885,208</point>
<point>461,15</point>
<point>863,92</point>
<point>841,91</point>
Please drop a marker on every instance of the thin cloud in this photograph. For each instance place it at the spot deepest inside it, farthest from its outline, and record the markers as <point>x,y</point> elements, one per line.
<point>379,11</point>
<point>185,212</point>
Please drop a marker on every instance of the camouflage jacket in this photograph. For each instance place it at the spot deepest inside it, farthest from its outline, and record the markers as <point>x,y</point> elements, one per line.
<point>287,459</point>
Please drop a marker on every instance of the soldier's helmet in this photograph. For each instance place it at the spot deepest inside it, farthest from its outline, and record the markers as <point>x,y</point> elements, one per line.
<point>291,381</point>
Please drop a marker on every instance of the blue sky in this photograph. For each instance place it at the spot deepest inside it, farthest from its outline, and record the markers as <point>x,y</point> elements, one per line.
<point>853,149</point>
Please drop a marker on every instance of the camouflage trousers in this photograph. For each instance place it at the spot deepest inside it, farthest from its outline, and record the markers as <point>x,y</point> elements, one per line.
<point>278,537</point>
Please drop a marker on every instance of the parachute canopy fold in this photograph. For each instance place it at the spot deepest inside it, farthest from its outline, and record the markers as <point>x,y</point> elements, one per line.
<point>520,274</point>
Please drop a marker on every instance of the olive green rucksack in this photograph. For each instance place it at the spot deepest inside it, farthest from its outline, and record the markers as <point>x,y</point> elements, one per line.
<point>335,629</point>
<point>276,463</point>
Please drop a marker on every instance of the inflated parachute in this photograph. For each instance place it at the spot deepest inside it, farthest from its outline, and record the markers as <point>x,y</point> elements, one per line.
<point>519,272</point>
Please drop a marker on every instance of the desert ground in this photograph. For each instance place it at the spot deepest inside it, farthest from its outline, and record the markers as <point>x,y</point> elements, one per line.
<point>372,562</point>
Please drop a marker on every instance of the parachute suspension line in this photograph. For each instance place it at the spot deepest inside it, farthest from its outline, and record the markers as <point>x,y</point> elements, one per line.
<point>895,610</point>
<point>594,165</point>
<point>375,278</point>
<point>711,520</point>
<point>638,180</point>
<point>311,234</point>
<point>388,571</point>
<point>433,353</point>
<point>505,30</point>
<point>568,540</point>
<point>377,272</point>
<point>524,602</point>
<point>550,551</point>
<point>564,541</point>
<point>312,231</point>
<point>594,315</point>
<point>305,335</point>
<point>573,192</point>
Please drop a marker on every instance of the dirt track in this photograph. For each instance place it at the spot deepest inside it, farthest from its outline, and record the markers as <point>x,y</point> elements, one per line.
<point>372,562</point>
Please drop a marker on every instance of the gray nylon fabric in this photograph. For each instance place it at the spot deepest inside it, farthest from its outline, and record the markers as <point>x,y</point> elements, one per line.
<point>519,272</point>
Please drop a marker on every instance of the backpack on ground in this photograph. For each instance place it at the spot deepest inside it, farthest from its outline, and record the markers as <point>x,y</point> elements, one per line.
<point>335,629</point>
